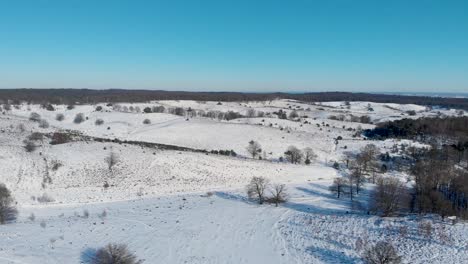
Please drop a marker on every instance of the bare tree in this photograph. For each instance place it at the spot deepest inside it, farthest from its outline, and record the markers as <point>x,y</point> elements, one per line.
<point>338,186</point>
<point>368,154</point>
<point>111,160</point>
<point>254,148</point>
<point>256,189</point>
<point>293,154</point>
<point>115,254</point>
<point>278,194</point>
<point>8,210</point>
<point>381,253</point>
<point>309,154</point>
<point>357,178</point>
<point>251,112</point>
<point>388,196</point>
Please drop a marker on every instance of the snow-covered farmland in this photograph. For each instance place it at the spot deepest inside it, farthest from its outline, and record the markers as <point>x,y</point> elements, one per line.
<point>183,206</point>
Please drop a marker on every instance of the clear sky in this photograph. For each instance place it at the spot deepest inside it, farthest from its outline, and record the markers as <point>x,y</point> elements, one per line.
<point>256,45</point>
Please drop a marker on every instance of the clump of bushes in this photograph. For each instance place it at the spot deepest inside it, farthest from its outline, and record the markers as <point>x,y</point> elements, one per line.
<point>35,117</point>
<point>59,117</point>
<point>43,123</point>
<point>381,252</point>
<point>29,146</point>
<point>258,187</point>
<point>60,138</point>
<point>45,198</point>
<point>147,121</point>
<point>79,118</point>
<point>115,254</point>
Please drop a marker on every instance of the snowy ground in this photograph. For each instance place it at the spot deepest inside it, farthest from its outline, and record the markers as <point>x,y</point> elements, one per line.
<point>186,207</point>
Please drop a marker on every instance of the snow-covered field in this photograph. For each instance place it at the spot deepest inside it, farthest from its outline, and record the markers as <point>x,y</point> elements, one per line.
<point>174,206</point>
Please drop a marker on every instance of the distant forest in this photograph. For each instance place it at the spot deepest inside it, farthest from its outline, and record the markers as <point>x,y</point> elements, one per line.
<point>88,96</point>
<point>423,129</point>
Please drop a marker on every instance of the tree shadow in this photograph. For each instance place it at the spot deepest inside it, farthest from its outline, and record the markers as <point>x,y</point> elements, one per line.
<point>87,255</point>
<point>234,197</point>
<point>331,256</point>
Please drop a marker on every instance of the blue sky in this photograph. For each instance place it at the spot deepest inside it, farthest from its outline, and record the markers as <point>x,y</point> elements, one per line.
<point>258,46</point>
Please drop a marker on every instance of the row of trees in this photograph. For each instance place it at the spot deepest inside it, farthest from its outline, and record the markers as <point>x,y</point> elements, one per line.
<point>293,154</point>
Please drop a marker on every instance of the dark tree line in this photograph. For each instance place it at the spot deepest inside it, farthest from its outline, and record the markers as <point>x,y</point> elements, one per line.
<point>440,185</point>
<point>87,96</point>
<point>422,129</point>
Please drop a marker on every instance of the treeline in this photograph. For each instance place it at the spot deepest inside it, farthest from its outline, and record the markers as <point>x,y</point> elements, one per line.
<point>423,129</point>
<point>440,172</point>
<point>88,96</point>
<point>440,184</point>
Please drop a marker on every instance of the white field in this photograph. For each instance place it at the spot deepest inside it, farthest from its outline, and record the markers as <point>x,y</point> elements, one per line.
<point>157,200</point>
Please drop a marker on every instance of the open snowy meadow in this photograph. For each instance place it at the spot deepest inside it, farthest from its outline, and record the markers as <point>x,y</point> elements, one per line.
<point>168,179</point>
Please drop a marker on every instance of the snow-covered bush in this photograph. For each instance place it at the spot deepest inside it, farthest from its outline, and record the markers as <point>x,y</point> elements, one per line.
<point>45,198</point>
<point>115,254</point>
<point>381,252</point>
<point>79,118</point>
<point>43,123</point>
<point>59,117</point>
<point>35,117</point>
<point>146,121</point>
<point>99,122</point>
<point>29,146</point>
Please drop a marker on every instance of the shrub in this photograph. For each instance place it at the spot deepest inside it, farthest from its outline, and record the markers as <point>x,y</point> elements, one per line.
<point>158,109</point>
<point>60,138</point>
<point>336,165</point>
<point>79,118</point>
<point>43,123</point>
<point>30,146</point>
<point>70,107</point>
<point>35,117</point>
<point>115,254</point>
<point>147,121</point>
<point>98,108</point>
<point>99,122</point>
<point>111,160</point>
<point>381,252</point>
<point>50,107</point>
<point>59,117</point>
<point>45,198</point>
<point>8,210</point>
<point>35,136</point>
<point>147,110</point>
<point>56,164</point>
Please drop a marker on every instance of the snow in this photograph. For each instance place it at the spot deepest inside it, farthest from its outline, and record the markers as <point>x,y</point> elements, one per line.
<point>190,207</point>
